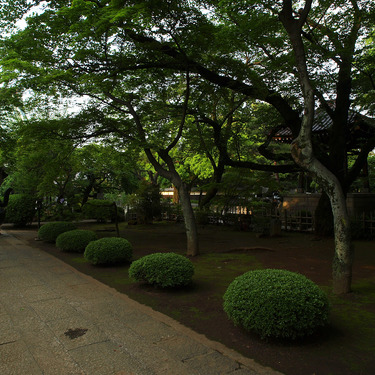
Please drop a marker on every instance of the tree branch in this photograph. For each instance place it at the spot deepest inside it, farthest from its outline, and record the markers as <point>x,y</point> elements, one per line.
<point>262,93</point>
<point>184,113</point>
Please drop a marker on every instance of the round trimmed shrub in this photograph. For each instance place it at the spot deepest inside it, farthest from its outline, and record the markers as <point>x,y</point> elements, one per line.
<point>276,303</point>
<point>109,250</point>
<point>163,269</point>
<point>20,210</point>
<point>75,240</point>
<point>50,231</point>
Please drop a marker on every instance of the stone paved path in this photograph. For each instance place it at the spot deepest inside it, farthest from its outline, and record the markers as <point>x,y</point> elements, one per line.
<point>55,320</point>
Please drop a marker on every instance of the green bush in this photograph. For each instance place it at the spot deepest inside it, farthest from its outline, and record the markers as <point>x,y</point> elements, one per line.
<point>98,209</point>
<point>163,269</point>
<point>109,250</point>
<point>276,303</point>
<point>20,210</point>
<point>202,217</point>
<point>75,240</point>
<point>50,231</point>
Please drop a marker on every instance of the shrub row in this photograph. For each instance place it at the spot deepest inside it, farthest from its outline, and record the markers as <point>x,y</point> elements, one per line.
<point>271,303</point>
<point>103,251</point>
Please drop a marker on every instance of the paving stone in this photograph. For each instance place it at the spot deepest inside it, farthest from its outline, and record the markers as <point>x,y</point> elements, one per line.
<point>150,354</point>
<point>67,279</point>
<point>119,312</point>
<point>153,330</point>
<point>22,314</point>
<point>208,364</point>
<point>84,291</point>
<point>21,277</point>
<point>183,347</point>
<point>49,353</point>
<point>75,331</point>
<point>244,371</point>
<point>50,310</point>
<point>8,333</point>
<point>108,358</point>
<point>16,359</point>
<point>38,293</point>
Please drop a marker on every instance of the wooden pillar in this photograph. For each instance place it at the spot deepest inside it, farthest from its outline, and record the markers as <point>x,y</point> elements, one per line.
<point>176,198</point>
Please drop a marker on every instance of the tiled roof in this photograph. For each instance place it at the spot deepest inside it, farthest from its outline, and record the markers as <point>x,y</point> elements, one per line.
<point>359,127</point>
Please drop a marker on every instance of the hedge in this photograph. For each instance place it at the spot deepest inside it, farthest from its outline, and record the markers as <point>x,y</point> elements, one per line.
<point>276,303</point>
<point>50,231</point>
<point>163,269</point>
<point>75,240</point>
<point>109,250</point>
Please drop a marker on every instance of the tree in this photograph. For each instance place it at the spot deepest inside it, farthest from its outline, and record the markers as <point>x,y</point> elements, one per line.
<point>314,45</point>
<point>104,169</point>
<point>50,162</point>
<point>302,148</point>
<point>286,54</point>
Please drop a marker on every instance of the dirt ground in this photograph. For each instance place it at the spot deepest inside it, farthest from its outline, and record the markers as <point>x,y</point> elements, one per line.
<point>345,347</point>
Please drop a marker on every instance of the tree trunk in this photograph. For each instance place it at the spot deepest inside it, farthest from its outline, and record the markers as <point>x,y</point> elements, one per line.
<point>3,204</point>
<point>189,220</point>
<point>343,257</point>
<point>303,154</point>
<point>88,189</point>
<point>184,198</point>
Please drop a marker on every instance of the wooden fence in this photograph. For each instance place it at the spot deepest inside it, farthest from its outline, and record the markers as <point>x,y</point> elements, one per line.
<point>363,225</point>
<point>300,220</point>
<point>293,220</point>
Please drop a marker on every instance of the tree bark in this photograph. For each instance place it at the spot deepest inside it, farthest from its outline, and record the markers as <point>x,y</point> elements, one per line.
<point>192,248</point>
<point>303,154</point>
<point>343,258</point>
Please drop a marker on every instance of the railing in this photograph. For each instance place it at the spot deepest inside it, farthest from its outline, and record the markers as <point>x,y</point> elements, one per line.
<point>301,220</point>
<point>363,225</point>
<point>293,220</point>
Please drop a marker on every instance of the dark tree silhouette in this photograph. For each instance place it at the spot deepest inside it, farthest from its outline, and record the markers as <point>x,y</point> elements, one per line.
<point>3,204</point>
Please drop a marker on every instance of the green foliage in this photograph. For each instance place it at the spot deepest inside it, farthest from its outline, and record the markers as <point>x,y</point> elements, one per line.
<point>163,269</point>
<point>75,240</point>
<point>260,224</point>
<point>202,217</point>
<point>146,202</point>
<point>20,210</point>
<point>98,209</point>
<point>149,201</point>
<point>109,250</point>
<point>276,303</point>
<point>50,231</point>
<point>56,211</point>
